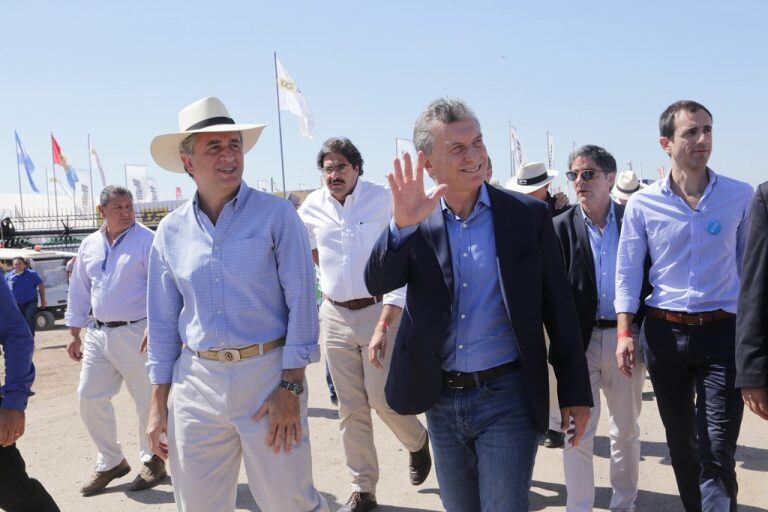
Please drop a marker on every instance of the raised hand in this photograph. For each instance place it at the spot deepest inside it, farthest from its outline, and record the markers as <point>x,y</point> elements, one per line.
<point>410,204</point>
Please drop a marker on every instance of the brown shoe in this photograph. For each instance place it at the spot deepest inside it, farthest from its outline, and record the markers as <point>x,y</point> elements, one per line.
<point>101,479</point>
<point>359,502</point>
<point>421,464</point>
<point>152,473</point>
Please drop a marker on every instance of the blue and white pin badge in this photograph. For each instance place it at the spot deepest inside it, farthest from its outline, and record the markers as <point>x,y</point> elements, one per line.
<point>713,227</point>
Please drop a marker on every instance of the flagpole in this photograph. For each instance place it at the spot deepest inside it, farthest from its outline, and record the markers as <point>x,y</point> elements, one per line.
<point>55,188</point>
<point>90,173</point>
<point>18,173</point>
<point>280,126</point>
<point>47,191</point>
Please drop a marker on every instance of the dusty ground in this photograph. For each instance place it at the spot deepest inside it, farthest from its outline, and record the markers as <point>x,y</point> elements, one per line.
<point>59,453</point>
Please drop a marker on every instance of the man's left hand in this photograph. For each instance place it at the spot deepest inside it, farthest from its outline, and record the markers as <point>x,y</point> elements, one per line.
<point>580,416</point>
<point>11,426</point>
<point>757,400</point>
<point>43,304</point>
<point>284,428</point>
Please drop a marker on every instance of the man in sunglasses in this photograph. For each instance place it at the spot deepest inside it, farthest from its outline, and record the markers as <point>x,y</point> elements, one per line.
<point>693,224</point>
<point>589,237</point>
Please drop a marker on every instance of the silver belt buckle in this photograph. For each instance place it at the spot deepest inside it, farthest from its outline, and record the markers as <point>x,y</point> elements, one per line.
<point>229,355</point>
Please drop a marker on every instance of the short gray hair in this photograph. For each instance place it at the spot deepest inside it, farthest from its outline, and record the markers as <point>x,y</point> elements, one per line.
<point>113,190</point>
<point>188,144</point>
<point>443,110</point>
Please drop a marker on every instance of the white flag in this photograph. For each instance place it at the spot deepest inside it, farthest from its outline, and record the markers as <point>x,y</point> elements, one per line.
<point>154,190</point>
<point>551,150</point>
<point>518,155</point>
<point>83,192</point>
<point>96,166</point>
<point>291,99</point>
<point>136,179</point>
<point>59,187</point>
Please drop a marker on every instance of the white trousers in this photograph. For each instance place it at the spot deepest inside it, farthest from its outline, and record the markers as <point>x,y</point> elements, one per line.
<point>111,356</point>
<point>624,398</point>
<point>554,405</point>
<point>211,430</point>
<point>360,388</point>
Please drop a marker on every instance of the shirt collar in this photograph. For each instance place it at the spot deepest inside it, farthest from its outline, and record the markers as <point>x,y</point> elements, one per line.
<point>482,200</point>
<point>667,189</point>
<point>237,202</point>
<point>611,215</point>
<point>103,230</point>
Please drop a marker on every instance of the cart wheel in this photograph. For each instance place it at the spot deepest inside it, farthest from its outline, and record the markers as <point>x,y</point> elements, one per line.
<point>44,320</point>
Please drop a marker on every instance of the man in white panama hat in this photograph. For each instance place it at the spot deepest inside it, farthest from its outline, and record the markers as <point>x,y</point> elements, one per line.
<point>232,324</point>
<point>534,180</point>
<point>627,183</point>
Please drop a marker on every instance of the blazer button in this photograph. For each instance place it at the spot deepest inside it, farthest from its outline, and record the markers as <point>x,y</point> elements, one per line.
<point>446,316</point>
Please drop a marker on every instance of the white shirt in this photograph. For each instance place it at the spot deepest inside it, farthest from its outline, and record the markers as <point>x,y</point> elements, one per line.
<point>110,280</point>
<point>344,236</point>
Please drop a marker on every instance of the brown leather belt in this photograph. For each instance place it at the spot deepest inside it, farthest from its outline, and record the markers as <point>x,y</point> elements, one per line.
<point>233,355</point>
<point>679,317</point>
<point>355,304</point>
<point>459,380</point>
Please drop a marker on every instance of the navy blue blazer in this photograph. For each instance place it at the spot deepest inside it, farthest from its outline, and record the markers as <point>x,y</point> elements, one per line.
<point>535,293</point>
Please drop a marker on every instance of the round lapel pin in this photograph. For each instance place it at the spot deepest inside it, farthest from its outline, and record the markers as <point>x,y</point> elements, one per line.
<point>713,227</point>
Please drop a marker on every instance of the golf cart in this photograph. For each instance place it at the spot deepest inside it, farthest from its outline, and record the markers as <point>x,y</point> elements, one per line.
<point>51,265</point>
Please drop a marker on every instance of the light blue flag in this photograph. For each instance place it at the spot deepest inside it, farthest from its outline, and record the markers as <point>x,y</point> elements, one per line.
<point>72,176</point>
<point>23,159</point>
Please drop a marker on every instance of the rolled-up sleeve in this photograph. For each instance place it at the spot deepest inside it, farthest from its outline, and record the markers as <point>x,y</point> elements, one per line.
<point>633,246</point>
<point>297,279</point>
<point>164,304</point>
<point>79,294</point>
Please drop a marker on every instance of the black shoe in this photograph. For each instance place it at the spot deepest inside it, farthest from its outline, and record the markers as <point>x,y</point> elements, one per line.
<point>359,502</point>
<point>421,464</point>
<point>553,439</point>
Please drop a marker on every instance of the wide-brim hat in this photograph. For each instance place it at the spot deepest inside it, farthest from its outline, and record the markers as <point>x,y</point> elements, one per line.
<point>531,176</point>
<point>203,116</point>
<point>626,184</point>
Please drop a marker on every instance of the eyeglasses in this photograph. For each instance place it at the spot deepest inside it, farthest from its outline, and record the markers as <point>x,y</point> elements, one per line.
<point>341,168</point>
<point>586,174</point>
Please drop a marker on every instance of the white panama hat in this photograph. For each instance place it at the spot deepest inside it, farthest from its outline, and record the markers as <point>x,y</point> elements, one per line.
<point>203,116</point>
<point>626,184</point>
<point>531,176</point>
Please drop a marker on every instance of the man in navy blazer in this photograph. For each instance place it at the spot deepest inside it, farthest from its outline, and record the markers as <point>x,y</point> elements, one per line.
<point>484,273</point>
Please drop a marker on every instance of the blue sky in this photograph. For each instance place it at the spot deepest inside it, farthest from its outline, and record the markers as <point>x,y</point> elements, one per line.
<point>589,72</point>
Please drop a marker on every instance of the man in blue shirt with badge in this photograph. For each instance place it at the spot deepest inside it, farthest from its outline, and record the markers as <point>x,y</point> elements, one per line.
<point>25,283</point>
<point>693,224</point>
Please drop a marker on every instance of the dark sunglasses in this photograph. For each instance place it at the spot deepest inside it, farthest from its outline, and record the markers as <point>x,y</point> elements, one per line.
<point>586,174</point>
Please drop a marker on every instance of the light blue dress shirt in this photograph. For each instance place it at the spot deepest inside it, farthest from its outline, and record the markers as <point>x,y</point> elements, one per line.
<point>695,254</point>
<point>605,246</point>
<point>248,279</point>
<point>480,335</point>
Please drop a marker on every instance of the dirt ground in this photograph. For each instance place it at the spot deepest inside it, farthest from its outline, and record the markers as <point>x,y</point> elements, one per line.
<point>60,454</point>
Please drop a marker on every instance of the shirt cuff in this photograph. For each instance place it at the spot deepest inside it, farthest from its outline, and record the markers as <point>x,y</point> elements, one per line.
<point>398,236</point>
<point>76,321</point>
<point>15,400</point>
<point>160,373</point>
<point>626,305</point>
<point>299,356</point>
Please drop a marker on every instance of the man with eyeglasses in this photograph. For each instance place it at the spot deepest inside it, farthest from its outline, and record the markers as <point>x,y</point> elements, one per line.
<point>109,281</point>
<point>693,224</point>
<point>589,238</point>
<point>344,219</point>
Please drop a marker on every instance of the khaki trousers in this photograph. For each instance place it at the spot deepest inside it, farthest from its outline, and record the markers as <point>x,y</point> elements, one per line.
<point>211,431</point>
<point>554,404</point>
<point>360,388</point>
<point>624,398</point>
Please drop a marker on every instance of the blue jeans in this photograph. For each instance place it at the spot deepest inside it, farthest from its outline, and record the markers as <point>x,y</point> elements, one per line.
<point>693,372</point>
<point>28,311</point>
<point>484,441</point>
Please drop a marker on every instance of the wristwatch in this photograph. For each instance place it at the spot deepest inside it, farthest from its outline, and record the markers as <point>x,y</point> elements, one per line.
<point>297,388</point>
